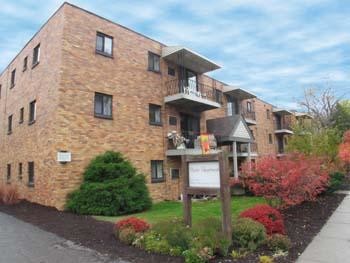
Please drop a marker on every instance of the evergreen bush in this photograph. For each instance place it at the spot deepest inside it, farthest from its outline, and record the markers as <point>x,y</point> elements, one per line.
<point>111,187</point>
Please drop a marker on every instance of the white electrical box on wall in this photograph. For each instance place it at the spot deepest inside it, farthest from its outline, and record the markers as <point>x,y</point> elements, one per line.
<point>64,157</point>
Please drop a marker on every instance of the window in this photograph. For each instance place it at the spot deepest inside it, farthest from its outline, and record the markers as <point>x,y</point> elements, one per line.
<point>0,90</point>
<point>25,63</point>
<point>218,96</point>
<point>36,55</point>
<point>157,171</point>
<point>32,112</point>
<point>104,44</point>
<point>155,114</point>
<point>103,105</point>
<point>175,173</point>
<point>153,62</point>
<point>249,106</point>
<point>31,173</point>
<point>13,78</point>
<point>171,71</point>
<point>172,120</point>
<point>268,114</point>
<point>8,176</point>
<point>270,139</point>
<point>21,115</point>
<point>20,171</point>
<point>9,125</point>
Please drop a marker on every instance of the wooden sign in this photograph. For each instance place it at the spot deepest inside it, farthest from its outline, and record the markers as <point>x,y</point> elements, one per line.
<point>207,175</point>
<point>204,174</point>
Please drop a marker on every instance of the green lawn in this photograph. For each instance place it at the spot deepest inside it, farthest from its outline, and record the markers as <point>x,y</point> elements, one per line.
<point>200,209</point>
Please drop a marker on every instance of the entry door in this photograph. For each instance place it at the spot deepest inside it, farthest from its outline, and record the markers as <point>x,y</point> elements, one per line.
<point>280,144</point>
<point>190,128</point>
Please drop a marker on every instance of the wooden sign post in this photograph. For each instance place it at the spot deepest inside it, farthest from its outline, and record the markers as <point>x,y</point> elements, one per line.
<point>207,175</point>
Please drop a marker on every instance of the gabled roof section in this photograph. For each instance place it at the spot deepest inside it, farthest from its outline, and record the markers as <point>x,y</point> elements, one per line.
<point>187,58</point>
<point>230,129</point>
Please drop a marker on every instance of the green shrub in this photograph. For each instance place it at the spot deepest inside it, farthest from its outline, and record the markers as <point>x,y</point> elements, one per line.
<point>240,253</point>
<point>208,233</point>
<point>248,234</point>
<point>195,255</point>
<point>154,242</point>
<point>265,259</point>
<point>127,235</point>
<point>278,242</point>
<point>111,187</point>
<point>336,180</point>
<point>175,232</point>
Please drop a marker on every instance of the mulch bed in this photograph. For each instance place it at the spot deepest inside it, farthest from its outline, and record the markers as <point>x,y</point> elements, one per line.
<point>302,222</point>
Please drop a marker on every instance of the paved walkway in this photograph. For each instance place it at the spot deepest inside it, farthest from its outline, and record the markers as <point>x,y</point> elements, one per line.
<point>24,243</point>
<point>332,244</point>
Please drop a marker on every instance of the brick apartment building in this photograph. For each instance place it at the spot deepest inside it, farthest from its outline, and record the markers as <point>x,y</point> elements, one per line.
<point>85,85</point>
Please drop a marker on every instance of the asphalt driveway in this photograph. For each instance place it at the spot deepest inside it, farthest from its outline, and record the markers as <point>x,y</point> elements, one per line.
<point>21,242</point>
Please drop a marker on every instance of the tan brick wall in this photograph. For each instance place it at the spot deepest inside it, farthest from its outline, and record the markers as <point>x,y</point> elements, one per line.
<point>64,84</point>
<point>32,142</point>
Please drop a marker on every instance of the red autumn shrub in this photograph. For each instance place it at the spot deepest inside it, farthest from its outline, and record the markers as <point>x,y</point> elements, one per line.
<point>10,196</point>
<point>344,148</point>
<point>291,180</point>
<point>138,225</point>
<point>270,217</point>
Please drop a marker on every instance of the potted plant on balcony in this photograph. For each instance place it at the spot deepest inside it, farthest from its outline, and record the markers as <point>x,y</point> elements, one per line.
<point>179,142</point>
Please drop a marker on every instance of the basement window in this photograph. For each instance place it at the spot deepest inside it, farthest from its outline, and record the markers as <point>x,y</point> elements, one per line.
<point>31,174</point>
<point>8,176</point>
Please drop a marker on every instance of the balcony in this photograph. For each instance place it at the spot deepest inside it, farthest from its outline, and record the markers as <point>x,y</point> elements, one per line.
<point>192,148</point>
<point>242,150</point>
<point>248,115</point>
<point>283,127</point>
<point>191,95</point>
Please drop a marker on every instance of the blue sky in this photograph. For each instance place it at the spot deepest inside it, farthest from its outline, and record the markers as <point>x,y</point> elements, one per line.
<point>273,48</point>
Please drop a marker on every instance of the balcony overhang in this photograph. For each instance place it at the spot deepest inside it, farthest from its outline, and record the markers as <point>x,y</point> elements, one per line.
<point>191,102</point>
<point>284,131</point>
<point>238,93</point>
<point>180,152</point>
<point>243,154</point>
<point>250,121</point>
<point>282,112</point>
<point>189,59</point>
<point>303,115</point>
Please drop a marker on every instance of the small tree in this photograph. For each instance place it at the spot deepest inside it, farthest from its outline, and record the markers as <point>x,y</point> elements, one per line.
<point>311,140</point>
<point>321,105</point>
<point>111,187</point>
<point>292,180</point>
<point>344,149</point>
<point>341,116</point>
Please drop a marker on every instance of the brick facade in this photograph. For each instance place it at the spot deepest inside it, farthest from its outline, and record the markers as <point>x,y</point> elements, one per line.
<point>64,85</point>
